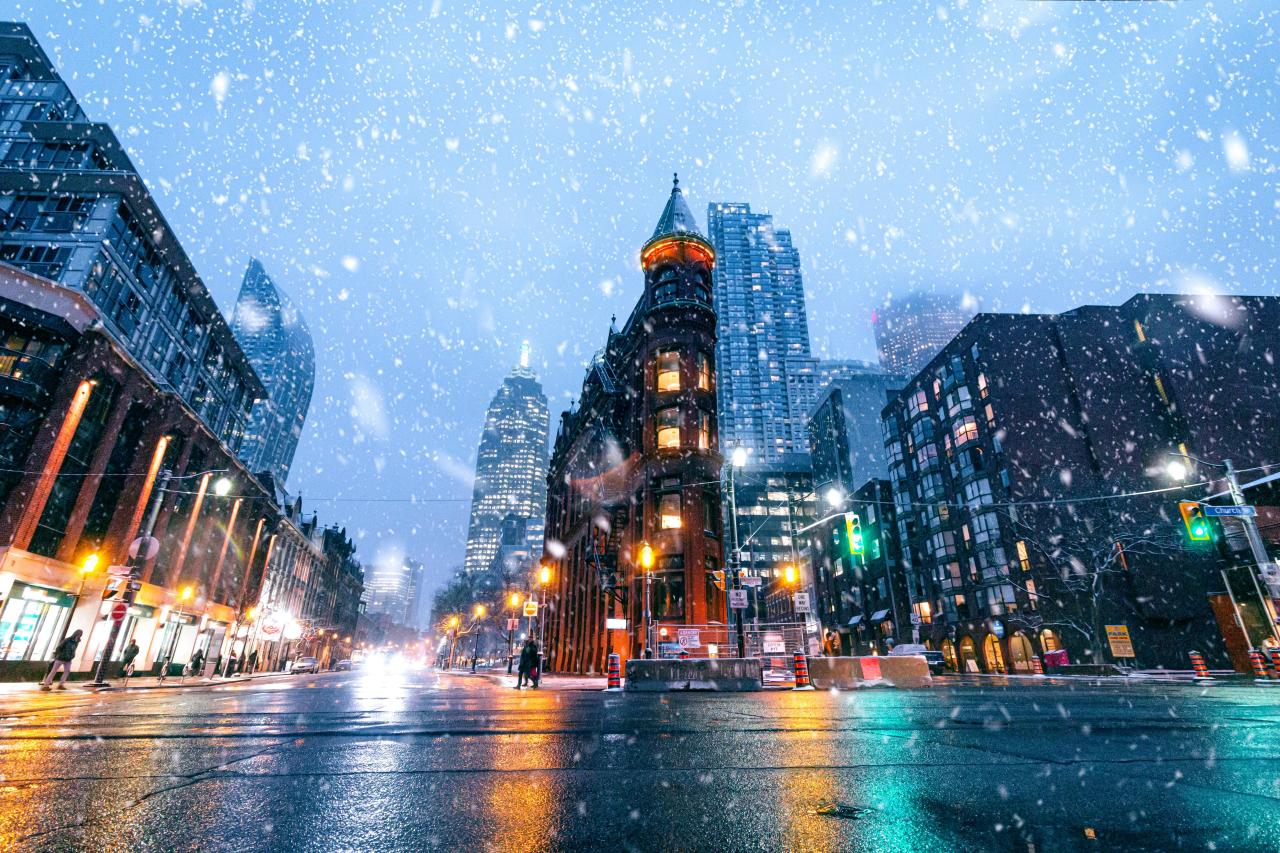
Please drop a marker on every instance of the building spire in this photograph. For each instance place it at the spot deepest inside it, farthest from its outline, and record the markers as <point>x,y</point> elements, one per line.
<point>676,217</point>
<point>524,355</point>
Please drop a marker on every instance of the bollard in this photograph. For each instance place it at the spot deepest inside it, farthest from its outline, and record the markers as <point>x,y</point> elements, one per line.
<point>1258,660</point>
<point>1202,672</point>
<point>615,672</point>
<point>1274,652</point>
<point>802,672</point>
<point>1036,668</point>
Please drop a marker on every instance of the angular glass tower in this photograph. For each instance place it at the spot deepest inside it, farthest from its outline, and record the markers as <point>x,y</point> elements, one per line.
<point>763,334</point>
<point>511,466</point>
<point>274,336</point>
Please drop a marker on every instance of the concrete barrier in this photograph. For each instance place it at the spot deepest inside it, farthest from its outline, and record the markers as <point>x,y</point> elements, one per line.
<point>845,673</point>
<point>720,674</point>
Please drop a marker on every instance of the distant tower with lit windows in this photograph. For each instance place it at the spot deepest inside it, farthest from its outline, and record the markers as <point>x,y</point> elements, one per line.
<point>511,466</point>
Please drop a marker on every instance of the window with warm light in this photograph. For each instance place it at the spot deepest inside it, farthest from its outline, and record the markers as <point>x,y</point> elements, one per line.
<point>669,517</point>
<point>704,372</point>
<point>668,423</point>
<point>1023,559</point>
<point>704,430</point>
<point>668,371</point>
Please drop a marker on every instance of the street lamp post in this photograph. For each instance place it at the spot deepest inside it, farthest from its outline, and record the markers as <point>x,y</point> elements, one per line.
<point>646,563</point>
<point>475,646</point>
<point>544,579</point>
<point>514,602</point>
<point>738,460</point>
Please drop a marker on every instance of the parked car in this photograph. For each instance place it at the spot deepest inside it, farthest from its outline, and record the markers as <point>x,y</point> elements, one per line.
<point>306,665</point>
<point>345,665</point>
<point>937,663</point>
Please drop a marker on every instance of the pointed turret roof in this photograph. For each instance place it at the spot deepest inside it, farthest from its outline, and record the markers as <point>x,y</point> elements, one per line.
<point>676,217</point>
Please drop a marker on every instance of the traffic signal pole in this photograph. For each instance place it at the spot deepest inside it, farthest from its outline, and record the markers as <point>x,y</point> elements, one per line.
<point>737,562</point>
<point>1251,533</point>
<point>136,564</point>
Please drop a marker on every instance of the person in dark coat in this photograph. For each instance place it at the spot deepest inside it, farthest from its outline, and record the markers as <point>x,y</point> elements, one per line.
<point>231,665</point>
<point>128,656</point>
<point>253,661</point>
<point>63,655</point>
<point>197,664</point>
<point>528,663</point>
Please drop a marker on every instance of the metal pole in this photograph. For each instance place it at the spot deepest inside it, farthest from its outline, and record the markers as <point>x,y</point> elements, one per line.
<point>737,560</point>
<point>136,565</point>
<point>511,646</point>
<point>475,647</point>
<point>1236,608</point>
<point>1256,545</point>
<point>648,614</point>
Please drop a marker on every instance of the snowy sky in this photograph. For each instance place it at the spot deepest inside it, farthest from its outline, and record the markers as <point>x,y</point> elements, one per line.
<point>434,182</point>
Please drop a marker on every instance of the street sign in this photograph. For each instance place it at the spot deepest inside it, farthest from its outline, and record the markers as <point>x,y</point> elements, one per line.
<point>513,624</point>
<point>615,624</point>
<point>1229,511</point>
<point>1118,639</point>
<point>118,571</point>
<point>801,602</point>
<point>870,668</point>
<point>119,610</point>
<point>738,599</point>
<point>752,580</point>
<point>688,637</point>
<point>1271,578</point>
<point>112,589</point>
<point>149,546</point>
<point>915,618</point>
<point>531,608</point>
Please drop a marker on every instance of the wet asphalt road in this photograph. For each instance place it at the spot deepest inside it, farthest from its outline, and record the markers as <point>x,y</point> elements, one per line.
<point>370,761</point>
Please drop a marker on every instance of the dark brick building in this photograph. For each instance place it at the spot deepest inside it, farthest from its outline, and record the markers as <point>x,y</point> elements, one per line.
<point>1001,447</point>
<point>636,462</point>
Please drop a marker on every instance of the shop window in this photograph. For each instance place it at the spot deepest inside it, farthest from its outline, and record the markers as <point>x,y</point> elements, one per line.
<point>668,425</point>
<point>669,512</point>
<point>668,370</point>
<point>32,621</point>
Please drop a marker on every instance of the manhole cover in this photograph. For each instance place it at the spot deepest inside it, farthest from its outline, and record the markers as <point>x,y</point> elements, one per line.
<point>842,810</point>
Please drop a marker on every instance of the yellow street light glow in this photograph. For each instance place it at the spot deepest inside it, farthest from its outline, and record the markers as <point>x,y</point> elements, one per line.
<point>480,611</point>
<point>789,573</point>
<point>515,599</point>
<point>453,621</point>
<point>253,613</point>
<point>646,556</point>
<point>544,576</point>
<point>187,592</point>
<point>90,563</point>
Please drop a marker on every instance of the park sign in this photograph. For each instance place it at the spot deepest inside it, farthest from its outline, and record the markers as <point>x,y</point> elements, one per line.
<point>1229,511</point>
<point>1118,639</point>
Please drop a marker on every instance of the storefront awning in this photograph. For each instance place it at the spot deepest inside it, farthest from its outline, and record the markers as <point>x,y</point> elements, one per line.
<point>855,620</point>
<point>878,615</point>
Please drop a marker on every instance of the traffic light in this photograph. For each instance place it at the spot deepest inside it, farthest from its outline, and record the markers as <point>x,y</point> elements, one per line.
<point>1193,518</point>
<point>853,533</point>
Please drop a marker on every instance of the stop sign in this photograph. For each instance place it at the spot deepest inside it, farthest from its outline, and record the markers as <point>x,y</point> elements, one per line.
<point>118,611</point>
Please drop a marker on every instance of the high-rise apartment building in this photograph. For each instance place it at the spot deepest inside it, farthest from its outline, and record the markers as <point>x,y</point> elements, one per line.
<point>274,336</point>
<point>846,441</point>
<point>388,589</point>
<point>763,333</point>
<point>1028,461</point>
<point>911,330</point>
<point>511,466</point>
<point>74,210</point>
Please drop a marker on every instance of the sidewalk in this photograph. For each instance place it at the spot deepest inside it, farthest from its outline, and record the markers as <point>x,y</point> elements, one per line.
<point>550,681</point>
<point>137,683</point>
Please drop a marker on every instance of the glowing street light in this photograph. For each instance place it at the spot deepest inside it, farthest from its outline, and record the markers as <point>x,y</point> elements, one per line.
<point>789,574</point>
<point>222,487</point>
<point>544,576</point>
<point>1176,469</point>
<point>834,497</point>
<point>739,457</point>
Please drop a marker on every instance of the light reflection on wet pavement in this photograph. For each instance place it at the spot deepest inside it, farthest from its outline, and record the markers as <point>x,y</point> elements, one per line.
<point>423,761</point>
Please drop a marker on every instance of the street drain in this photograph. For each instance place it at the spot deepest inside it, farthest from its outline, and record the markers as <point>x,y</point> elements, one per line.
<point>841,810</point>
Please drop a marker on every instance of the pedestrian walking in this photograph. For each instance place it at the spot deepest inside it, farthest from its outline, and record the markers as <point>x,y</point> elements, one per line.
<point>127,657</point>
<point>217,664</point>
<point>231,665</point>
<point>253,662</point>
<point>197,664</point>
<point>528,662</point>
<point>63,655</point>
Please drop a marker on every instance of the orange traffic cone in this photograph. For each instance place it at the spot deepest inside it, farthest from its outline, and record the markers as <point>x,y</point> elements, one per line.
<point>802,672</point>
<point>615,672</point>
<point>1202,672</point>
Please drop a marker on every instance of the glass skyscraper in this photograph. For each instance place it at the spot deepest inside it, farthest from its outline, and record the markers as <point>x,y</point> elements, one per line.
<point>511,467</point>
<point>763,334</point>
<point>913,329</point>
<point>274,336</point>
